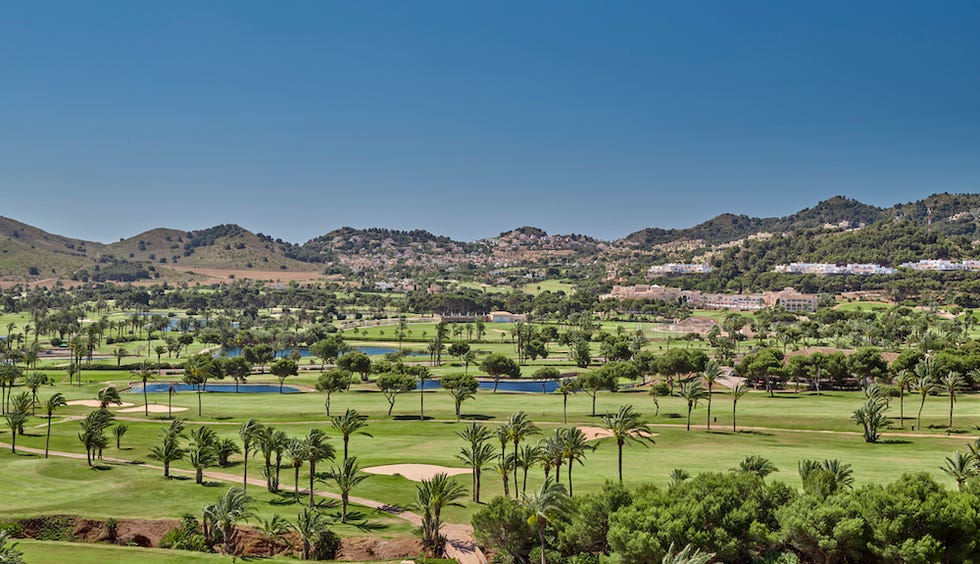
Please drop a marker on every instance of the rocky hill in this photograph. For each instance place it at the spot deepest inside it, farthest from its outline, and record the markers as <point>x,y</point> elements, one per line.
<point>28,253</point>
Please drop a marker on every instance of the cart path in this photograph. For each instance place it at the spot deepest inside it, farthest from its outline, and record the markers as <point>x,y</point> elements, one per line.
<point>459,537</point>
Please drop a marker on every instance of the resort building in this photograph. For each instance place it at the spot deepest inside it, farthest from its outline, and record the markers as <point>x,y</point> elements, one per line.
<point>678,268</point>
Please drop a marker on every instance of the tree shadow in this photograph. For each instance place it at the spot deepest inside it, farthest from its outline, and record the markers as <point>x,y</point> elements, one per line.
<point>101,467</point>
<point>222,417</point>
<point>367,526</point>
<point>411,418</point>
<point>895,442</point>
<point>755,432</point>
<point>672,415</point>
<point>475,417</point>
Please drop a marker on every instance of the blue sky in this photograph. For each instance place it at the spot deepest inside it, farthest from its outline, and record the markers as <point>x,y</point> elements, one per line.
<point>471,118</point>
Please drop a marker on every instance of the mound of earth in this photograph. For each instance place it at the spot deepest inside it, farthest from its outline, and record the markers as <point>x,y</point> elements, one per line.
<point>363,549</point>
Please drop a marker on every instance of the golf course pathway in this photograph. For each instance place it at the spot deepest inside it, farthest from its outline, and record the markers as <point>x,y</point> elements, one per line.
<point>459,537</point>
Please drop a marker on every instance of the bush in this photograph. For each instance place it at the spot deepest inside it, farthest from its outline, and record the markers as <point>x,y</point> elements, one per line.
<point>13,529</point>
<point>187,536</point>
<point>326,546</point>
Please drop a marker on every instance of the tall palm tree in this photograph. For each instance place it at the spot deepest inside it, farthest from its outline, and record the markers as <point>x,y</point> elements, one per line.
<point>169,450</point>
<point>118,431</point>
<point>503,436</point>
<point>55,401</point>
<point>520,427</point>
<point>552,455</point>
<point>230,508</point>
<point>315,449</point>
<point>93,428</point>
<point>627,425</point>
<point>549,502</point>
<point>906,383</point>
<point>574,445</point>
<point>478,454</point>
<point>34,381</point>
<point>738,390</point>
<point>693,393</point>
<point>347,476</point>
<point>925,383</point>
<point>527,456</point>
<point>249,434</point>
<point>431,497</point>
<point>952,383</point>
<point>349,423</point>
<point>297,456</point>
<point>710,374</point>
<point>145,377</point>
<point>15,421</point>
<point>566,386</point>
<point>202,453</point>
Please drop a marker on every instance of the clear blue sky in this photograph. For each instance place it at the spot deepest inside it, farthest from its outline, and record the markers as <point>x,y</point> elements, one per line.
<point>467,118</point>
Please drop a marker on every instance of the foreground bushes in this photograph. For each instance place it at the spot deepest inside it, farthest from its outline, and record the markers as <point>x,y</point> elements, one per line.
<point>742,518</point>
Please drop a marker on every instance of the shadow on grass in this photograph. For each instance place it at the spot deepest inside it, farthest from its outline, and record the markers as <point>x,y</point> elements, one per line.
<point>410,418</point>
<point>672,415</point>
<point>895,442</point>
<point>475,417</point>
<point>222,417</point>
<point>101,467</point>
<point>755,432</point>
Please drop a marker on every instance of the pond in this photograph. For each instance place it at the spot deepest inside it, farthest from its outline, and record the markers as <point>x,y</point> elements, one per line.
<point>527,386</point>
<point>163,387</point>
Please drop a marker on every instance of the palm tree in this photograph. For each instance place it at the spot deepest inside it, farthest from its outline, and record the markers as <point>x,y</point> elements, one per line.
<point>54,402</point>
<point>170,450</point>
<point>33,381</point>
<point>478,454</point>
<point>710,374</point>
<point>16,421</point>
<point>118,430</point>
<point>687,555</point>
<point>8,552</point>
<point>203,453</point>
<point>549,502</point>
<point>905,382</point>
<point>348,424</point>
<point>693,393</point>
<point>520,427</point>
<point>310,524</point>
<point>503,435</point>
<point>925,384</point>
<point>952,382</point>
<point>574,445</point>
<point>249,433</point>
<point>871,416</point>
<point>347,476</point>
<point>758,465</point>
<point>315,449</point>
<point>527,456</point>
<point>738,390</point>
<point>274,529</point>
<point>227,512</point>
<point>566,386</point>
<point>431,497</point>
<point>839,476</point>
<point>297,456</point>
<point>626,425</point>
<point>551,455</point>
<point>93,427</point>
<point>109,395</point>
<point>145,377</point>
<point>961,467</point>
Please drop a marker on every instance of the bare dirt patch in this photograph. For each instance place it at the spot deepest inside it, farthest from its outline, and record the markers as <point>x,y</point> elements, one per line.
<point>362,549</point>
<point>95,403</point>
<point>415,472</point>
<point>596,433</point>
<point>152,408</point>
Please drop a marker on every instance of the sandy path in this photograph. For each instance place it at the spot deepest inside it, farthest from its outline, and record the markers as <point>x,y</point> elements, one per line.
<point>152,408</point>
<point>459,544</point>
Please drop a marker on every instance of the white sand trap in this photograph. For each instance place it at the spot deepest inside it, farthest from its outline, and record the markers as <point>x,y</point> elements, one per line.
<point>415,472</point>
<point>95,403</point>
<point>153,408</point>
<point>596,433</point>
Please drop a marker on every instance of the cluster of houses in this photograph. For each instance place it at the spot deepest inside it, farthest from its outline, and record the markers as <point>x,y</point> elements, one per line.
<point>827,268</point>
<point>679,268</point>
<point>943,265</point>
<point>788,298</point>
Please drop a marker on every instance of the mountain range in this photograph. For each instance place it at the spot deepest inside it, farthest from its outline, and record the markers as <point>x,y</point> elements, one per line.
<point>29,254</point>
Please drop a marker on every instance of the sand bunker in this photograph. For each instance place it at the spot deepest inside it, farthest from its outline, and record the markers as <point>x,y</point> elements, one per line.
<point>415,472</point>
<point>95,403</point>
<point>596,433</point>
<point>153,408</point>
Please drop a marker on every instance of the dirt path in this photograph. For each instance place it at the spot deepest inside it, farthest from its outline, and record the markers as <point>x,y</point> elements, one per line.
<point>459,544</point>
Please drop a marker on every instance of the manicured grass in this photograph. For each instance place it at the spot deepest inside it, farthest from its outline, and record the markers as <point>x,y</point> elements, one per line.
<point>46,552</point>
